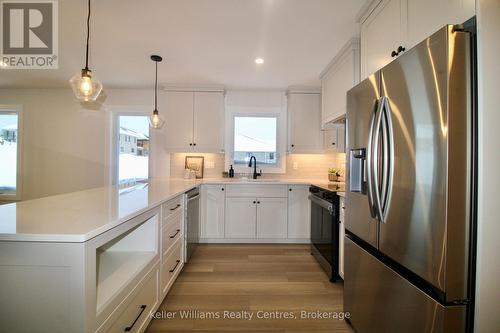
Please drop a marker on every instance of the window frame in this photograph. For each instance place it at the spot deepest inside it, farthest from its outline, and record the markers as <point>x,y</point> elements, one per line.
<point>116,113</point>
<point>17,109</point>
<point>280,166</point>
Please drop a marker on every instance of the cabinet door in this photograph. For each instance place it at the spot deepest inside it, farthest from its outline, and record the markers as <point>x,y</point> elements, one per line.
<point>209,122</point>
<point>212,211</point>
<point>381,33</point>
<point>240,217</point>
<point>435,14</point>
<point>330,139</point>
<point>304,112</point>
<point>341,237</point>
<point>299,212</point>
<point>178,130</point>
<point>272,218</point>
<point>340,78</point>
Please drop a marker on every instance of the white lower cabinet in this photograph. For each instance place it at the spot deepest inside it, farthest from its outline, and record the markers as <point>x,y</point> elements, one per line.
<point>299,212</point>
<point>212,211</point>
<point>272,218</point>
<point>240,217</point>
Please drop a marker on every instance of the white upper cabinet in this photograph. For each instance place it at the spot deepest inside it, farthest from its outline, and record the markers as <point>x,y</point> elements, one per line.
<point>208,122</point>
<point>381,33</point>
<point>194,121</point>
<point>304,122</point>
<point>338,77</point>
<point>398,25</point>
<point>178,130</point>
<point>435,14</point>
<point>212,211</point>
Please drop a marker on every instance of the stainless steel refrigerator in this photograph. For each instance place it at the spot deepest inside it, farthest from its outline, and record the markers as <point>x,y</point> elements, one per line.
<point>408,253</point>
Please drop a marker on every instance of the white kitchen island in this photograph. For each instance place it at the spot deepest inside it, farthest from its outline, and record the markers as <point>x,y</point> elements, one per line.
<point>99,260</point>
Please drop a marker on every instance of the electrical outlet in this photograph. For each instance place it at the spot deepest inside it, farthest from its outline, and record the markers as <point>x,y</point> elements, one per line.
<point>295,165</point>
<point>210,165</point>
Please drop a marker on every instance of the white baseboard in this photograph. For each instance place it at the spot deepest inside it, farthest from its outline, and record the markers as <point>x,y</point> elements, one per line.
<point>255,241</point>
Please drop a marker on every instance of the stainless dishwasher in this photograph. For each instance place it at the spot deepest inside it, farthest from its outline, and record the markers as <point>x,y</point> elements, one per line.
<point>192,223</point>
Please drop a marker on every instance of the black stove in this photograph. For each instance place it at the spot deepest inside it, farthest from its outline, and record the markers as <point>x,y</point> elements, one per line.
<point>325,229</point>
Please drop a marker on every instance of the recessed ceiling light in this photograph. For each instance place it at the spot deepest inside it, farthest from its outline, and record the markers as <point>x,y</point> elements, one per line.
<point>259,61</point>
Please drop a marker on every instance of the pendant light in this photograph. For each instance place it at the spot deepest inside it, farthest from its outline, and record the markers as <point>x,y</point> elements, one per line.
<point>155,121</point>
<point>85,87</point>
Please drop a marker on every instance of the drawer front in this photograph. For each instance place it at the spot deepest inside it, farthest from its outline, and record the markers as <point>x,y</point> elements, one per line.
<point>174,218</point>
<point>172,207</point>
<point>257,191</point>
<point>136,316</point>
<point>171,266</point>
<point>170,233</point>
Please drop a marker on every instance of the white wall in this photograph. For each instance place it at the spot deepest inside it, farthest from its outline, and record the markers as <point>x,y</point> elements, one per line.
<point>488,265</point>
<point>66,145</point>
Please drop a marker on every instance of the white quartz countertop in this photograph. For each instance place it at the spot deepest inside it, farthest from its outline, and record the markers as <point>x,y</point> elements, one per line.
<point>80,216</point>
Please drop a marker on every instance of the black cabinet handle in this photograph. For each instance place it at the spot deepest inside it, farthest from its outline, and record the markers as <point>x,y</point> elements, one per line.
<point>290,189</point>
<point>293,146</point>
<point>333,143</point>
<point>129,328</point>
<point>194,144</point>
<point>394,54</point>
<point>191,144</point>
<point>258,202</point>
<point>176,264</point>
<point>222,189</point>
<point>401,49</point>
<point>254,202</point>
<point>172,209</point>
<point>178,230</point>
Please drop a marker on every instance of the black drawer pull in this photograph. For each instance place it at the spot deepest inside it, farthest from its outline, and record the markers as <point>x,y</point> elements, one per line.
<point>176,264</point>
<point>129,328</point>
<point>178,230</point>
<point>172,209</point>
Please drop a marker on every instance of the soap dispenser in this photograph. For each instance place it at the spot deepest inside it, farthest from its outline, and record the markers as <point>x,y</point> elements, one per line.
<point>231,172</point>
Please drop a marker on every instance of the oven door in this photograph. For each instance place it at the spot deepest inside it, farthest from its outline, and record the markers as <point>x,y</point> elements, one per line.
<point>324,235</point>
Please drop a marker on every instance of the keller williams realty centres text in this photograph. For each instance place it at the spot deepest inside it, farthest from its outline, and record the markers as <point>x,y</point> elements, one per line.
<point>249,315</point>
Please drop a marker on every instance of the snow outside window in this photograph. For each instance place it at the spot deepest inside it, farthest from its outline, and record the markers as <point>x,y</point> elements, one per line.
<point>255,136</point>
<point>9,150</point>
<point>133,148</point>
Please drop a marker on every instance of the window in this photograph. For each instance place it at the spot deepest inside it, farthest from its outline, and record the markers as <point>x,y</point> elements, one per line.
<point>255,136</point>
<point>9,153</point>
<point>133,148</point>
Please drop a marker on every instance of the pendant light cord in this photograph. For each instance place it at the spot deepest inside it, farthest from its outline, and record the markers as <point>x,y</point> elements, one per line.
<point>88,37</point>
<point>156,86</point>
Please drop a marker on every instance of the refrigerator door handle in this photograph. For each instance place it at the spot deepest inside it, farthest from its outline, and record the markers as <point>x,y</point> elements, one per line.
<point>369,161</point>
<point>389,159</point>
<point>375,152</point>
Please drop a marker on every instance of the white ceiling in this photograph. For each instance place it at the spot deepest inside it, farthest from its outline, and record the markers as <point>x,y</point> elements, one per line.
<point>203,42</point>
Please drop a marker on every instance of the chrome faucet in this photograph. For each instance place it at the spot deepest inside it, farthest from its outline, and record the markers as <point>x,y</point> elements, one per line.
<point>255,174</point>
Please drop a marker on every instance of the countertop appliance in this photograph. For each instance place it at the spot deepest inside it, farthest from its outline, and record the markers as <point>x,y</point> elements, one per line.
<point>192,223</point>
<point>325,229</point>
<point>409,246</point>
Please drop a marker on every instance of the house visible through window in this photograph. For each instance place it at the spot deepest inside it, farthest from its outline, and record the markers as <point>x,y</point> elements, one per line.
<point>133,142</point>
<point>255,136</point>
<point>9,150</point>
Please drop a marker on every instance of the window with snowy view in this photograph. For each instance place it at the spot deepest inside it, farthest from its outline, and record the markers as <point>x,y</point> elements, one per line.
<point>255,136</point>
<point>133,149</point>
<point>9,150</point>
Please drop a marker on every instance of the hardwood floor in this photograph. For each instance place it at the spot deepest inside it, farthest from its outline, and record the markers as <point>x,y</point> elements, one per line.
<point>254,280</point>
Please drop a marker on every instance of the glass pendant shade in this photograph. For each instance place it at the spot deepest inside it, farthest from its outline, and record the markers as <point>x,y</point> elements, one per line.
<point>85,87</point>
<point>155,121</point>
